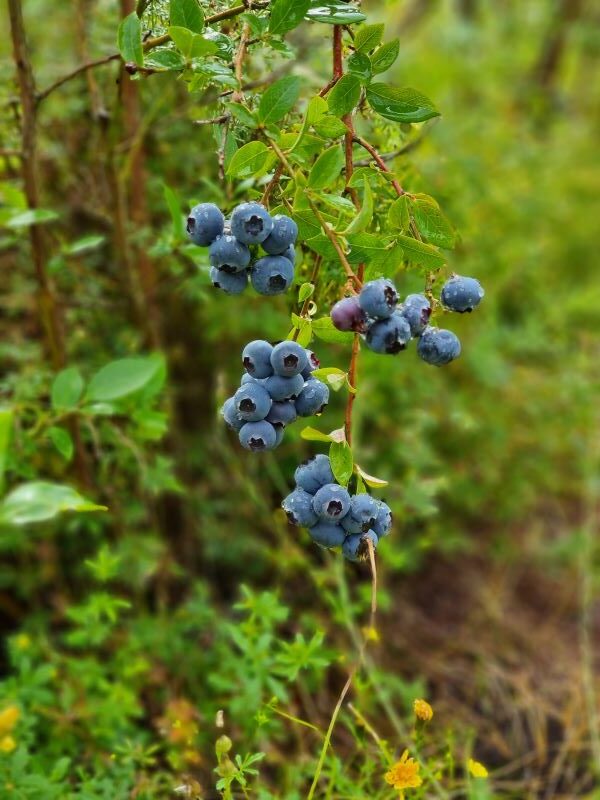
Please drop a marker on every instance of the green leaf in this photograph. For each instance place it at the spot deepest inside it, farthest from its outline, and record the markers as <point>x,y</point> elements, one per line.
<point>334,13</point>
<point>242,114</point>
<point>384,57</point>
<point>323,329</point>
<point>340,455</point>
<point>122,378</point>
<point>279,99</point>
<point>129,39</point>
<point>359,64</point>
<point>317,108</point>
<point>330,127</point>
<point>41,500</point>
<point>400,105</point>
<point>165,59</point>
<point>223,43</point>
<point>191,45</point>
<point>398,216</point>
<point>83,245</point>
<point>342,204</point>
<point>248,160</point>
<point>365,215</point>
<point>174,206</point>
<point>420,253</point>
<point>67,389</point>
<point>305,291</point>
<point>432,224</point>
<point>336,378</point>
<point>33,216</point>
<point>367,37</point>
<point>370,480</point>
<point>314,435</point>
<point>287,15</point>
<point>61,439</point>
<point>186,14</point>
<point>344,96</point>
<point>326,168</point>
<point>364,246</point>
<point>308,224</point>
<point>6,418</point>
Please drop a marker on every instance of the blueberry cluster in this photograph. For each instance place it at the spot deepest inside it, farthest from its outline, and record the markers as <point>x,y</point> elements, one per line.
<point>388,325</point>
<point>276,388</point>
<point>333,516</point>
<point>229,243</point>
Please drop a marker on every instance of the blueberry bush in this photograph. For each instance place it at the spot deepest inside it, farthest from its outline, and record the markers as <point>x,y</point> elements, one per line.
<point>383,596</point>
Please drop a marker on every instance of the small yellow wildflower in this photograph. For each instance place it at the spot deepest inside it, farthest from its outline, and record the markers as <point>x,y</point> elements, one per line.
<point>404,774</point>
<point>423,710</point>
<point>7,744</point>
<point>476,769</point>
<point>22,641</point>
<point>8,719</point>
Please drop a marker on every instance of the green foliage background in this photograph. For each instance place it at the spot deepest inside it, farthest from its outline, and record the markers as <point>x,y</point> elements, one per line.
<point>127,632</point>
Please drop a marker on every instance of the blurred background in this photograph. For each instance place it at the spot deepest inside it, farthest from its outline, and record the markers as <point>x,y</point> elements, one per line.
<point>125,633</point>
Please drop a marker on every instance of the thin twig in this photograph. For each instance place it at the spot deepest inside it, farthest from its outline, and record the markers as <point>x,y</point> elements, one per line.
<point>379,161</point>
<point>271,185</point>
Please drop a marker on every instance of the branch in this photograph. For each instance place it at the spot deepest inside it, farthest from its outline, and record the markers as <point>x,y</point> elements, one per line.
<point>379,161</point>
<point>77,71</point>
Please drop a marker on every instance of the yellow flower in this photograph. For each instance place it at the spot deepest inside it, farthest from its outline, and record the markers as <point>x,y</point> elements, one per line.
<point>7,744</point>
<point>476,769</point>
<point>22,641</point>
<point>8,719</point>
<point>423,710</point>
<point>404,774</point>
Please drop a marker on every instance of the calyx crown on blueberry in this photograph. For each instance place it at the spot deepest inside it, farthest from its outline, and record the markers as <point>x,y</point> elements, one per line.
<point>277,387</point>
<point>233,263</point>
<point>333,516</point>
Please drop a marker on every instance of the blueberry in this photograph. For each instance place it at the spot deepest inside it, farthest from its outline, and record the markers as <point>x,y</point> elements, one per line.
<point>288,358</point>
<point>230,283</point>
<point>299,510</point>
<point>356,546</point>
<point>256,358</point>
<point>258,436</point>
<point>348,315</point>
<point>383,523</point>
<point>313,398</point>
<point>230,415</point>
<point>389,336</point>
<point>462,294</point>
<point>228,254</point>
<point>281,388</point>
<point>283,235</point>
<point>204,223</point>
<point>438,347</point>
<point>283,412</point>
<point>314,473</point>
<point>252,402</point>
<point>312,365</point>
<point>416,310</point>
<point>272,275</point>
<point>378,298</point>
<point>327,534</point>
<point>247,378</point>
<point>290,254</point>
<point>362,515</point>
<point>251,223</point>
<point>279,432</point>
<point>331,502</point>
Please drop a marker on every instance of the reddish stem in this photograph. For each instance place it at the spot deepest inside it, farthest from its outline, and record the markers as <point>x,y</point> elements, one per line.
<point>379,161</point>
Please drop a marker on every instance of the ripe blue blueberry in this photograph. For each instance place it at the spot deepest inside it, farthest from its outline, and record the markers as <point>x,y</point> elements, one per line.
<point>230,283</point>
<point>251,223</point>
<point>438,347</point>
<point>298,507</point>
<point>331,502</point>
<point>230,415</point>
<point>228,254</point>
<point>362,515</point>
<point>314,473</point>
<point>252,402</point>
<point>256,358</point>
<point>348,315</point>
<point>272,275</point>
<point>288,358</point>
<point>311,366</point>
<point>389,336</point>
<point>204,223</point>
<point>378,298</point>
<point>247,378</point>
<point>416,310</point>
<point>327,534</point>
<point>356,546</point>
<point>383,523</point>
<point>462,294</point>
<point>283,412</point>
<point>281,388</point>
<point>290,254</point>
<point>257,436</point>
<point>313,398</point>
<point>284,234</point>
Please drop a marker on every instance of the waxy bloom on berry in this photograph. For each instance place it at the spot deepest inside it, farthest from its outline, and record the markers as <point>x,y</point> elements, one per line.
<point>423,710</point>
<point>404,774</point>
